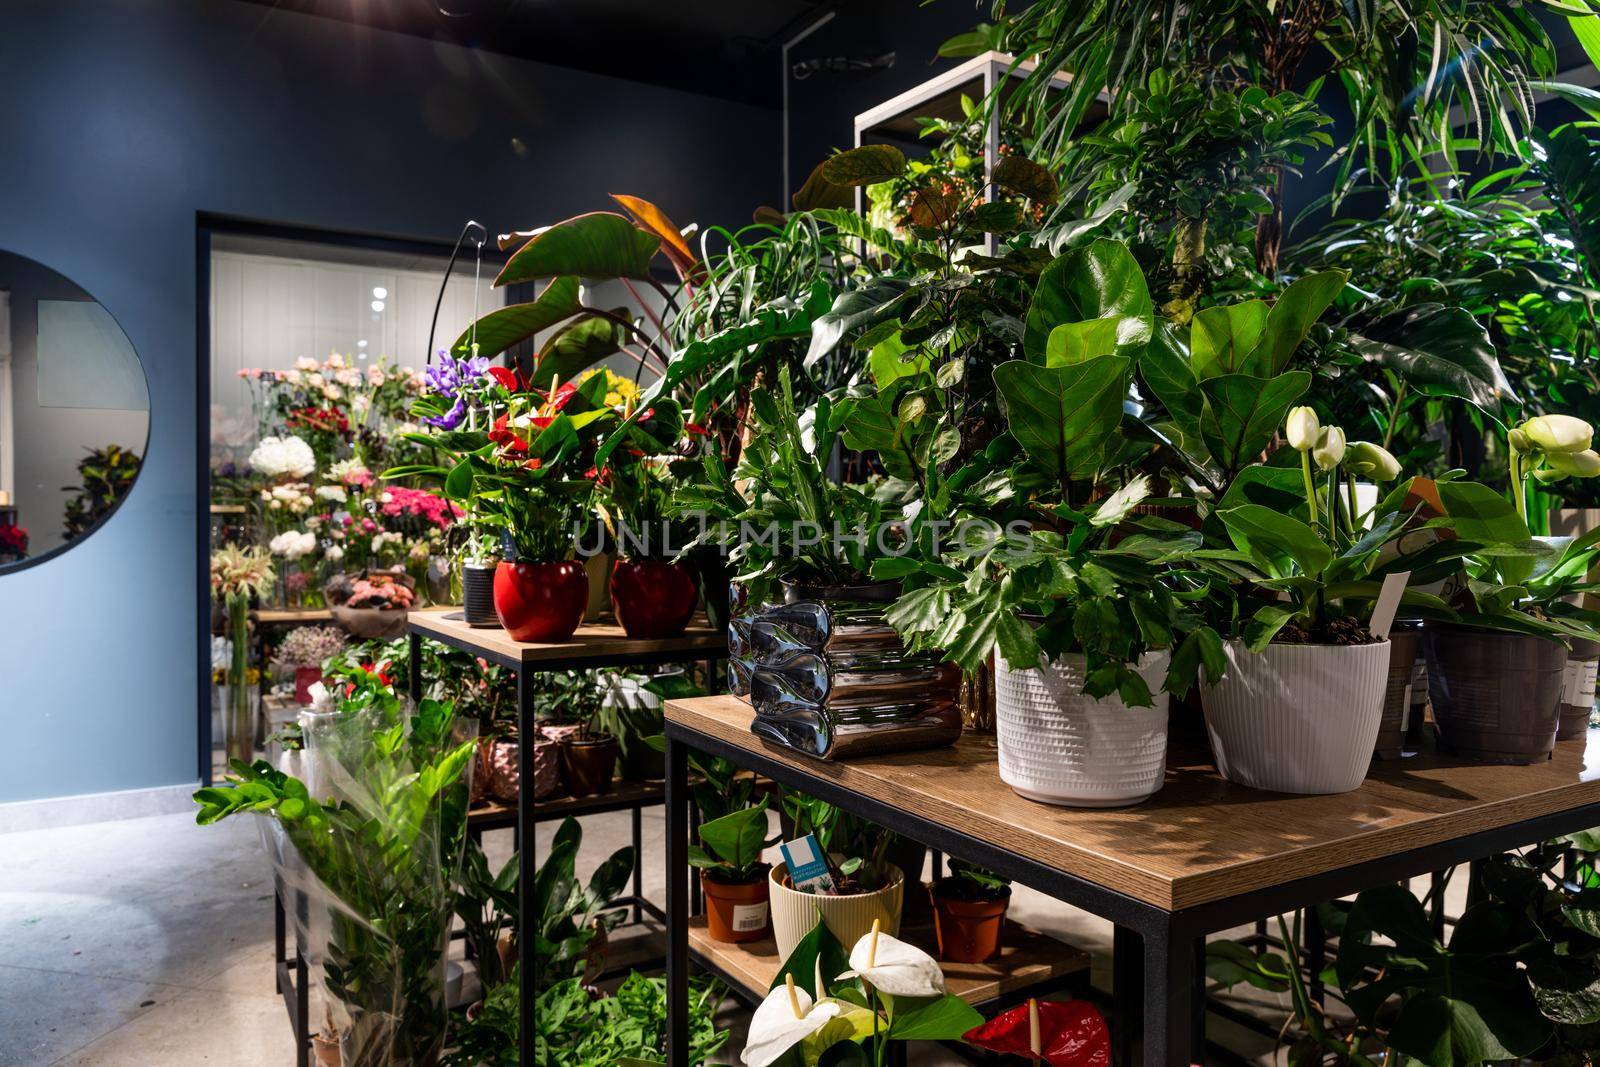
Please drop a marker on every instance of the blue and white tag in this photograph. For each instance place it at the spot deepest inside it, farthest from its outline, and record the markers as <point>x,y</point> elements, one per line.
<point>808,868</point>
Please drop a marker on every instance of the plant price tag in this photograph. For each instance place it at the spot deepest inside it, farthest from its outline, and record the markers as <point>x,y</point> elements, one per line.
<point>808,868</point>
<point>1383,612</point>
<point>747,917</point>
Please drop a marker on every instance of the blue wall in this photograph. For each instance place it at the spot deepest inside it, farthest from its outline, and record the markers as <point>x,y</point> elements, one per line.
<point>124,118</point>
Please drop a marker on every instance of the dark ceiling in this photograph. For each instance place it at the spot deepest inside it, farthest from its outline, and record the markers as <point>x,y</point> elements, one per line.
<point>726,48</point>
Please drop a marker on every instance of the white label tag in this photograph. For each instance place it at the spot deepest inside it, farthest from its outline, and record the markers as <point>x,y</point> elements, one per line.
<point>1383,612</point>
<point>1578,682</point>
<point>747,917</point>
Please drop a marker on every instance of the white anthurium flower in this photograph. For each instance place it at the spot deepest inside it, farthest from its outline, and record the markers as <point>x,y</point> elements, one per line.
<point>1372,461</point>
<point>1558,433</point>
<point>786,1018</point>
<point>891,966</point>
<point>1330,448</point>
<point>1585,464</point>
<point>1302,429</point>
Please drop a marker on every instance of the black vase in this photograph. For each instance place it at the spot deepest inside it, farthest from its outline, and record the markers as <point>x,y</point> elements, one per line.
<point>830,678</point>
<point>477,594</point>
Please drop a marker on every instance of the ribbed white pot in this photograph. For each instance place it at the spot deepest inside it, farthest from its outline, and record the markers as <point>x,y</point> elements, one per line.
<point>794,914</point>
<point>1059,746</point>
<point>1297,718</point>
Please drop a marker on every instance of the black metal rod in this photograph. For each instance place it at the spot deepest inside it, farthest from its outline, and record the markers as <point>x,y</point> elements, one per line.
<point>1127,993</point>
<point>677,860</point>
<point>526,902</point>
<point>638,862</point>
<point>1316,946</point>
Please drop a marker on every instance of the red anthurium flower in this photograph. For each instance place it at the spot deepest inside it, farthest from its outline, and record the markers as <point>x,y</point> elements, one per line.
<point>498,433</point>
<point>534,464</point>
<point>696,429</point>
<point>559,398</point>
<point>507,377</point>
<point>1071,1034</point>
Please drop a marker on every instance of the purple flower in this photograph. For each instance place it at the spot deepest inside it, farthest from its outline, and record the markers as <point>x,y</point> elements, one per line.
<point>450,419</point>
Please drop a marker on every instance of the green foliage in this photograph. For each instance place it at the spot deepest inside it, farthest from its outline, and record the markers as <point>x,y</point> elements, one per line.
<point>733,845</point>
<point>107,475</point>
<point>566,912</point>
<point>576,1029</point>
<point>854,848</point>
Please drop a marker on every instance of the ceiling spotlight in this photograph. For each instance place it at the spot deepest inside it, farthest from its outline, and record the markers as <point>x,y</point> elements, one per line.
<point>361,343</point>
<point>380,292</point>
<point>377,305</point>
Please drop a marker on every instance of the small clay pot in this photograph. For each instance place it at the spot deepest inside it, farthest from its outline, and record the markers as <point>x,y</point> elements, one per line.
<point>968,931</point>
<point>326,1050</point>
<point>540,603</point>
<point>737,911</point>
<point>1496,696</point>
<point>589,765</point>
<point>1405,644</point>
<point>653,599</point>
<point>504,769</point>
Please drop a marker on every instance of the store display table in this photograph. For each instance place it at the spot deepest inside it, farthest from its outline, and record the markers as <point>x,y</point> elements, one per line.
<point>1201,856</point>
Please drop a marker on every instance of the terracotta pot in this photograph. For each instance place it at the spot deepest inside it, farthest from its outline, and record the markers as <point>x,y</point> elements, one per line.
<point>1577,689</point>
<point>477,594</point>
<point>736,912</point>
<point>968,931</point>
<point>651,598</point>
<point>546,769</point>
<point>326,1051</point>
<point>1405,645</point>
<point>304,679</point>
<point>540,603</point>
<point>589,767</point>
<point>1496,696</point>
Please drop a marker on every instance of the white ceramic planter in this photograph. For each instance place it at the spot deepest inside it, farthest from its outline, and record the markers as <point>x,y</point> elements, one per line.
<point>794,914</point>
<point>1059,746</point>
<point>1297,718</point>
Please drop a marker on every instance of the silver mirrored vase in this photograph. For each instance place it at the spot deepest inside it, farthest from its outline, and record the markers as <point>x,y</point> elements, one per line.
<point>828,677</point>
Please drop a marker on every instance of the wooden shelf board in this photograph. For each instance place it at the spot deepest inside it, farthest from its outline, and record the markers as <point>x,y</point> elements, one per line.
<point>595,644</point>
<point>277,617</point>
<point>623,795</point>
<point>1200,839</point>
<point>1027,958</point>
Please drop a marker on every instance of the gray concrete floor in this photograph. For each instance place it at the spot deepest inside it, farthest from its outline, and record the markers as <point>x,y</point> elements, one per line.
<point>148,942</point>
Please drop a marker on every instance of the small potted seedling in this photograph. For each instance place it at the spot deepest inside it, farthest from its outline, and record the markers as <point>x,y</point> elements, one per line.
<point>733,874</point>
<point>969,912</point>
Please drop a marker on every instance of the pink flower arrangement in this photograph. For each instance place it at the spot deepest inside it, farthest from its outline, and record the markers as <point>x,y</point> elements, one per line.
<point>419,503</point>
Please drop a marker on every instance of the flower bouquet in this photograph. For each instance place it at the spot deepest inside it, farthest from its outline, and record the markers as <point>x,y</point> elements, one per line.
<point>372,604</point>
<point>13,542</point>
<point>304,650</point>
<point>238,576</point>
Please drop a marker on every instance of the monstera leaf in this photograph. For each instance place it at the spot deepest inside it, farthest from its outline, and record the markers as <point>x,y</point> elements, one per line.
<point>1100,285</point>
<point>1438,351</point>
<point>601,244</point>
<point>504,327</point>
<point>1063,416</point>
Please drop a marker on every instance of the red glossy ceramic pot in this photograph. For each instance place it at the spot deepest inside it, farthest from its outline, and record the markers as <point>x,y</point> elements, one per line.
<point>651,598</point>
<point>540,602</point>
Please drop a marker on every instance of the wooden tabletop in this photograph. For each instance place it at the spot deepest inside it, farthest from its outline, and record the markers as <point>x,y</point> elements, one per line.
<point>598,644</point>
<point>1201,838</point>
<point>292,616</point>
<point>1027,958</point>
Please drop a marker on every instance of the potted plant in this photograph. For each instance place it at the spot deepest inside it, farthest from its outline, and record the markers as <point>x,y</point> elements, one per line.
<point>867,888</point>
<point>652,595</point>
<point>1496,676</point>
<point>1300,706</point>
<point>303,650</point>
<point>238,576</point>
<point>733,874</point>
<point>588,753</point>
<point>969,912</point>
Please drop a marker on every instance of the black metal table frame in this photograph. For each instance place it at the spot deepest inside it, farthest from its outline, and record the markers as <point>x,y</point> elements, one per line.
<point>1158,954</point>
<point>525,805</point>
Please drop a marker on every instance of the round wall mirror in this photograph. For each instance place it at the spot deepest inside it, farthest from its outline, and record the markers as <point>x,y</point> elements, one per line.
<point>74,413</point>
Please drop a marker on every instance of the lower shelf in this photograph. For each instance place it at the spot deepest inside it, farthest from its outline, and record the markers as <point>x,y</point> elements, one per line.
<point>1028,960</point>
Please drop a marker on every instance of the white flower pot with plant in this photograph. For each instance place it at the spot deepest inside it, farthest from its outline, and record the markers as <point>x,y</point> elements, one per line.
<point>1059,745</point>
<point>868,888</point>
<point>1299,707</point>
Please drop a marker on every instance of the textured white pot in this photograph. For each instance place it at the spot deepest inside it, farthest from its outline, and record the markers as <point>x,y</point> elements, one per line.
<point>1297,718</point>
<point>794,914</point>
<point>1062,747</point>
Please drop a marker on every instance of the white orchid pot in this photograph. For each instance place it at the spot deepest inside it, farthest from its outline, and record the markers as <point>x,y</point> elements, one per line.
<point>794,914</point>
<point>1297,718</point>
<point>1059,746</point>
